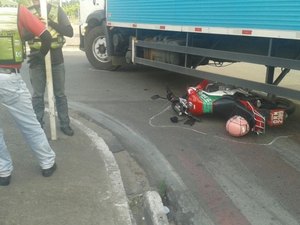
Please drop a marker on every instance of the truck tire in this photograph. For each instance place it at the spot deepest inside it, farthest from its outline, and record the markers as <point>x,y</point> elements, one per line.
<point>96,49</point>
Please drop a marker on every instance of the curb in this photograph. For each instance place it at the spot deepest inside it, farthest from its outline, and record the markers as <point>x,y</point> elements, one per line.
<point>154,209</point>
<point>120,198</point>
<point>186,208</point>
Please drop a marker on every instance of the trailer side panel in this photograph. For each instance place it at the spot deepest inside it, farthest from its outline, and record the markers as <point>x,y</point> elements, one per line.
<point>269,18</point>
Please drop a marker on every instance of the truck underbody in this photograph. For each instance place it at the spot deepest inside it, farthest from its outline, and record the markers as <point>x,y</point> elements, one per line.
<point>109,47</point>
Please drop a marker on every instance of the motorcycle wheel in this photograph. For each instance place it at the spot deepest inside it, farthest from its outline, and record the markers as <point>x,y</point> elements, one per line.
<point>278,103</point>
<point>285,104</point>
<point>274,103</point>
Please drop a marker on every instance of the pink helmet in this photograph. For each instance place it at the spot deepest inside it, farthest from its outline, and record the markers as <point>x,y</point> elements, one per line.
<point>237,126</point>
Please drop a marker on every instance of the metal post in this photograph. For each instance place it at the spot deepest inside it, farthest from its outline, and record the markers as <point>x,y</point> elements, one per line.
<point>270,69</point>
<point>133,40</point>
<point>270,74</point>
<point>43,5</point>
<point>186,45</point>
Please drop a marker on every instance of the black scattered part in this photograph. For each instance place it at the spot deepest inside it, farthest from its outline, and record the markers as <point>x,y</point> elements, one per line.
<point>154,97</point>
<point>174,119</point>
<point>190,121</point>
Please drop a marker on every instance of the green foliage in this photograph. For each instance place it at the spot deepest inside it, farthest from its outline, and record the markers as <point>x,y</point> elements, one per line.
<point>162,189</point>
<point>25,2</point>
<point>72,9</point>
<point>8,3</point>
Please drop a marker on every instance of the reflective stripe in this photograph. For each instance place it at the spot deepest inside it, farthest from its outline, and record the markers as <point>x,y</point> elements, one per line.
<point>57,40</point>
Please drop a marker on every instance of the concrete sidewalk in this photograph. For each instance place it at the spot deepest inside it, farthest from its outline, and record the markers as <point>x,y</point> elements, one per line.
<point>86,189</point>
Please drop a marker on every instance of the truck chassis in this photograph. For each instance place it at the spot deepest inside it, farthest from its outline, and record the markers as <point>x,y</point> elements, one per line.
<point>108,47</point>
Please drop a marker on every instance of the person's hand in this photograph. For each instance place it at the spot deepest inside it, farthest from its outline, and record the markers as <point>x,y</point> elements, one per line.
<point>35,58</point>
<point>43,20</point>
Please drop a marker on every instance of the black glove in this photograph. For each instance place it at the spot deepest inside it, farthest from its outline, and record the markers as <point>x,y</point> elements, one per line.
<point>35,58</point>
<point>51,23</point>
<point>58,27</point>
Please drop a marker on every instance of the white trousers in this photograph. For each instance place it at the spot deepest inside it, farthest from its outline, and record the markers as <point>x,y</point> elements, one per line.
<point>15,96</point>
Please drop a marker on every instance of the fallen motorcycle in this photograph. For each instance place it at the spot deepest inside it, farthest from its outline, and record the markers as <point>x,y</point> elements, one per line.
<point>244,110</point>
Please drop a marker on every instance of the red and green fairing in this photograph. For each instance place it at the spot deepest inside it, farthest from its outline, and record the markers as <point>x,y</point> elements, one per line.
<point>199,102</point>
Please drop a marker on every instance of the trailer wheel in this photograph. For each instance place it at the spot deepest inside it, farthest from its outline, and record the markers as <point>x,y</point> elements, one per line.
<point>96,49</point>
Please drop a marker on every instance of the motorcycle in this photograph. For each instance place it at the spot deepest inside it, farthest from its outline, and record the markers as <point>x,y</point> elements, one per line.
<point>243,109</point>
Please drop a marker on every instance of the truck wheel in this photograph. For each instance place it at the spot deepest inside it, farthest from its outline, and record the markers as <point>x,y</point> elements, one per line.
<point>96,49</point>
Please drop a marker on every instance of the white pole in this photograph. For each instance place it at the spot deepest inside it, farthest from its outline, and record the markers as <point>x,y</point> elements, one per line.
<point>43,5</point>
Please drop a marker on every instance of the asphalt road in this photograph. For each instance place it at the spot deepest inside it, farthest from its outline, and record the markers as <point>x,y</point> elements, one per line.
<point>220,180</point>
